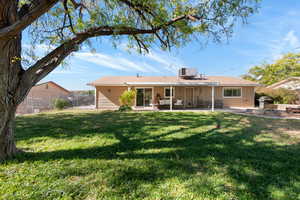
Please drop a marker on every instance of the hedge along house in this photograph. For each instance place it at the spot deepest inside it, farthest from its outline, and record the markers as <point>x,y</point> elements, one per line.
<point>185,91</point>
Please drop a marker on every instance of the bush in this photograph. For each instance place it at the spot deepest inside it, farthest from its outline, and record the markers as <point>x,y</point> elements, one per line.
<point>279,96</point>
<point>127,98</point>
<point>125,108</point>
<point>60,104</point>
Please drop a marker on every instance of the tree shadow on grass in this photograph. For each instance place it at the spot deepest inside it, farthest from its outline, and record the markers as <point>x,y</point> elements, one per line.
<point>256,167</point>
<point>88,124</point>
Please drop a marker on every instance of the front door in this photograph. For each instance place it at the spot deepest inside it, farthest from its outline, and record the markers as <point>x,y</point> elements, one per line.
<point>144,97</point>
<point>189,99</point>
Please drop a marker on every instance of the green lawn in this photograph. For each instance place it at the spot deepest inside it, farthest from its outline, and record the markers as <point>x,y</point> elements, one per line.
<point>153,155</point>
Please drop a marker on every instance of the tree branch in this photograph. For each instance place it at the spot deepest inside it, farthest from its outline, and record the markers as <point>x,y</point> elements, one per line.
<point>65,3</point>
<point>41,8</point>
<point>48,63</point>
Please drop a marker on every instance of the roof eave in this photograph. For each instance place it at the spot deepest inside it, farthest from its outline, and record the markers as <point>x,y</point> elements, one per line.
<point>172,84</point>
<point>240,85</point>
<point>103,84</point>
<point>176,84</point>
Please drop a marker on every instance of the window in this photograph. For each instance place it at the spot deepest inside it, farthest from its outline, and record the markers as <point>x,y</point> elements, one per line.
<point>232,92</point>
<point>168,92</point>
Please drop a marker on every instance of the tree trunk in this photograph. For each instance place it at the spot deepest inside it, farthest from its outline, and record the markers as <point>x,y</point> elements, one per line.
<point>10,76</point>
<point>7,141</point>
<point>11,84</point>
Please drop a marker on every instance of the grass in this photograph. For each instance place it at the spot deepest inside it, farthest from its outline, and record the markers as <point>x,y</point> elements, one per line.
<point>153,155</point>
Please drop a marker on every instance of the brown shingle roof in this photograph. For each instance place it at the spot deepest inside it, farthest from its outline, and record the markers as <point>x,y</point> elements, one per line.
<point>283,82</point>
<point>124,80</point>
<point>55,84</point>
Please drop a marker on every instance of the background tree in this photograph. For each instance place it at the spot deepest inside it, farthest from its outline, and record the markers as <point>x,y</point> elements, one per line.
<point>287,66</point>
<point>65,24</point>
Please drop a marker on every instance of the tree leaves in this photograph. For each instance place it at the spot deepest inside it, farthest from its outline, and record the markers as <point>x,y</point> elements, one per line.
<point>208,19</point>
<point>287,66</point>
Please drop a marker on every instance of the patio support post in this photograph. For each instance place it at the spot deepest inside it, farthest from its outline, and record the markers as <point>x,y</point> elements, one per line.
<point>96,106</point>
<point>171,98</point>
<point>153,100</point>
<point>212,98</point>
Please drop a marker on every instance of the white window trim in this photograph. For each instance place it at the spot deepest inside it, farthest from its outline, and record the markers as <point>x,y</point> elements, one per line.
<point>172,93</point>
<point>227,97</point>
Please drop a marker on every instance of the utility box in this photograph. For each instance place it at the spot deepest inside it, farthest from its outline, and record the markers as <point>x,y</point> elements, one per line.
<point>188,73</point>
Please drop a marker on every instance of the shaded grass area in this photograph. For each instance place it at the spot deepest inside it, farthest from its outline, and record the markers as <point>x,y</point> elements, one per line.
<point>153,155</point>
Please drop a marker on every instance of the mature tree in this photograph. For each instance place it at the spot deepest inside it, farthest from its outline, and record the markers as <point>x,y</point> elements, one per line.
<point>66,24</point>
<point>287,66</point>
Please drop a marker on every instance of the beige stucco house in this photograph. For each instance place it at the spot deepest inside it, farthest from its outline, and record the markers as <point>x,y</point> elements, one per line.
<point>41,97</point>
<point>193,91</point>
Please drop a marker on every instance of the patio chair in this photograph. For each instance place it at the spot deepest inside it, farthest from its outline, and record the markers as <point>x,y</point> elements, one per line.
<point>178,104</point>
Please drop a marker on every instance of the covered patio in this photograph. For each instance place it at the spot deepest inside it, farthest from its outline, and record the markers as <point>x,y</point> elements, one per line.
<point>176,96</point>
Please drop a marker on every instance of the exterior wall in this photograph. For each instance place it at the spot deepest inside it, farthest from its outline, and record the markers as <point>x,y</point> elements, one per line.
<point>108,97</point>
<point>247,99</point>
<point>203,93</point>
<point>41,98</point>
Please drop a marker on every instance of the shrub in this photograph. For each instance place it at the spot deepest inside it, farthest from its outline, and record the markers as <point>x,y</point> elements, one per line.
<point>125,108</point>
<point>127,100</point>
<point>279,96</point>
<point>60,104</point>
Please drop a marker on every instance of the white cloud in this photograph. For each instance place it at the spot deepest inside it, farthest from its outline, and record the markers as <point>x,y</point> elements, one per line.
<point>288,43</point>
<point>118,62</point>
<point>162,61</point>
<point>153,62</point>
<point>157,61</point>
<point>168,62</point>
<point>132,65</point>
<point>151,68</point>
<point>100,59</point>
<point>65,72</point>
<point>292,40</point>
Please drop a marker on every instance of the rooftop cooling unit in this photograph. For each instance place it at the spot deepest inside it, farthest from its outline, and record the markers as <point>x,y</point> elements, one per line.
<point>188,72</point>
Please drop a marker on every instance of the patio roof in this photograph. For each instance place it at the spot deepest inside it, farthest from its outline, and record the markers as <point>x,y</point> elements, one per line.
<point>171,81</point>
<point>172,84</point>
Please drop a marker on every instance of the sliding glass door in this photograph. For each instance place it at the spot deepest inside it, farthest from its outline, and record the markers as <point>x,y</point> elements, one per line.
<point>144,97</point>
<point>140,97</point>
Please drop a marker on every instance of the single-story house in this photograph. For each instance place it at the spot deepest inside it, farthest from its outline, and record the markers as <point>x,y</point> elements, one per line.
<point>187,90</point>
<point>41,97</point>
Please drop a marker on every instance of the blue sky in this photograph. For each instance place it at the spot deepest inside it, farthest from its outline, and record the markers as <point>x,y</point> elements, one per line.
<point>270,33</point>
